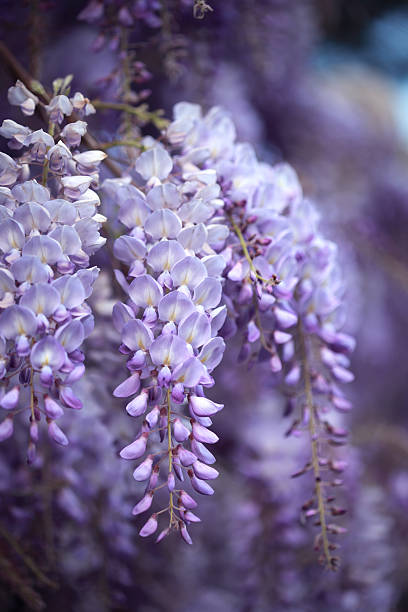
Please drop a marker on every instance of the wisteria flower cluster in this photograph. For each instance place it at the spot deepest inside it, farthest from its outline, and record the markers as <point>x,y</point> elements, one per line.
<point>169,327</point>
<point>209,231</point>
<point>210,222</point>
<point>49,229</point>
<point>283,285</point>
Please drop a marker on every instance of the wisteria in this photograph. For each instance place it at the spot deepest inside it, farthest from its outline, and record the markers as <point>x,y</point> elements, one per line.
<point>169,328</point>
<point>49,230</point>
<point>283,285</point>
<point>201,247</point>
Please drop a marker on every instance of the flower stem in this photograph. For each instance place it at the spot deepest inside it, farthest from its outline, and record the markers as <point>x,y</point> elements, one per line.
<point>140,112</point>
<point>242,241</point>
<point>313,432</point>
<point>120,143</point>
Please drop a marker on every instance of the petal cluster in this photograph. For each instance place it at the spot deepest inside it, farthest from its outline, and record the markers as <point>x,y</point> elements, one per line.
<point>48,231</point>
<point>169,327</point>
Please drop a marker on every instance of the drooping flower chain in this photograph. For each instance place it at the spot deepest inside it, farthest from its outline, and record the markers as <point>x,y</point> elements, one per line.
<point>48,230</point>
<point>284,284</point>
<point>169,327</point>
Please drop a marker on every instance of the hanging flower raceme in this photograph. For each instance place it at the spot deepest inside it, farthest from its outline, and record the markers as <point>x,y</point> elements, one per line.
<point>169,328</point>
<point>48,231</point>
<point>284,287</point>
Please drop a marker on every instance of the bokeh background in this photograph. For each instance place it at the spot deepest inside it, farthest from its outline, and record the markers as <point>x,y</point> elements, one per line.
<point>322,85</point>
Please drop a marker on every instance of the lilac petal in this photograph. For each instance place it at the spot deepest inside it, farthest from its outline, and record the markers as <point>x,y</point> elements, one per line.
<point>253,332</point>
<point>32,216</point>
<point>215,265</point>
<point>162,223</point>
<point>144,470</point>
<point>208,293</point>
<point>23,346</point>
<point>343,375</point>
<point>154,478</point>
<point>52,409</point>
<point>285,318</point>
<point>203,471</point>
<point>162,535</point>
<point>187,500</point>
<point>6,428</point>
<point>138,405</point>
<point>217,234</point>
<point>169,350</point>
<point>201,486</point>
<point>11,235</point>
<point>169,328</point>
<point>155,162</point>
<point>46,376</point>
<point>163,255</point>
<point>133,211</point>
<point>71,290</point>
<point>164,377</point>
<point>191,517</point>
<point>16,321</point>
<point>145,291</point>
<point>212,352</point>
<point>343,343</point>
<point>6,283</point>
<point>202,434</point>
<point>217,318</point>
<point>68,398</point>
<point>30,269</point>
<point>177,394</point>
<point>135,335</point>
<point>61,314</point>
<point>281,337</point>
<point>45,248</point>
<point>185,535</point>
<point>186,457</point>
<point>75,374</point>
<point>130,386</point>
<point>193,237</point>
<point>275,363</point>
<point>10,400</point>
<point>41,298</point>
<point>190,372</point>
<point>189,271</point>
<point>153,417</point>
<point>136,449</point>
<point>149,527</point>
<point>341,403</point>
<point>293,377</point>
<point>121,314</point>
<point>34,431</point>
<point>48,352</point>
<point>203,406</point>
<point>178,469</point>
<point>128,248</point>
<point>71,335</point>
<point>174,307</point>
<point>239,271</point>
<point>195,329</point>
<point>202,452</point>
<point>180,432</point>
<point>163,196</point>
<point>171,482</point>
<point>57,434</point>
<point>69,240</point>
<point>144,504</point>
